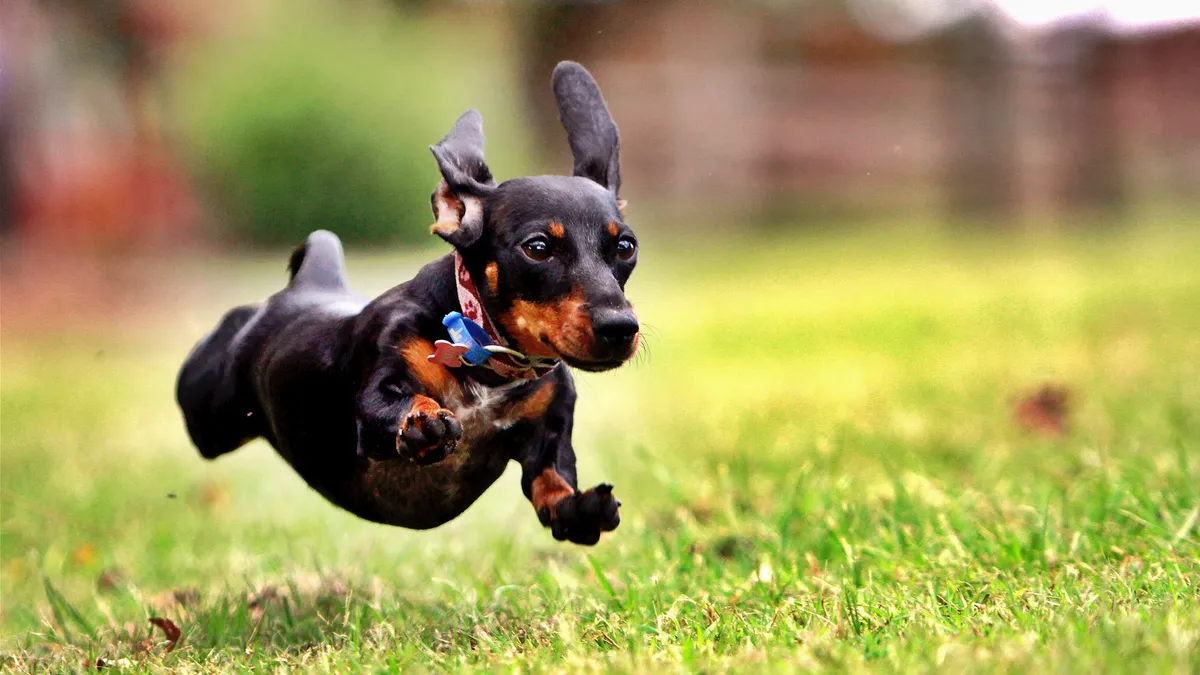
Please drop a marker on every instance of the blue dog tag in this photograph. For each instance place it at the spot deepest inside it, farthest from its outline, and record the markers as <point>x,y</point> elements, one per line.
<point>469,334</point>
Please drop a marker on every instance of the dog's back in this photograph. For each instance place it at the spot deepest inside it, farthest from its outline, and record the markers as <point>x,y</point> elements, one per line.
<point>218,387</point>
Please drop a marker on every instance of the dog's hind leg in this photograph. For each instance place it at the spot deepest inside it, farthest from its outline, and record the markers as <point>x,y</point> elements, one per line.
<point>218,402</point>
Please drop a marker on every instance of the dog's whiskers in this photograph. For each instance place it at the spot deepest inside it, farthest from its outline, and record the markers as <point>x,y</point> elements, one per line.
<point>642,356</point>
<point>652,329</point>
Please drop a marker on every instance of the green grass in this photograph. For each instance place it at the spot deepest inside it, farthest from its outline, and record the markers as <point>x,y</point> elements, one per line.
<point>818,463</point>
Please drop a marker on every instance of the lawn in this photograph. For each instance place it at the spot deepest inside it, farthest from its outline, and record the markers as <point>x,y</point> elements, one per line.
<point>817,456</point>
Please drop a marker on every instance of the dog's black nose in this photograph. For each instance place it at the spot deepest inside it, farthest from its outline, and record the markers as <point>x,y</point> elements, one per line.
<point>615,328</point>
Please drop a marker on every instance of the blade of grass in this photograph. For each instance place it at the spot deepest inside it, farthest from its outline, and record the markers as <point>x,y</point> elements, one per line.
<point>1187,526</point>
<point>603,579</point>
<point>63,610</point>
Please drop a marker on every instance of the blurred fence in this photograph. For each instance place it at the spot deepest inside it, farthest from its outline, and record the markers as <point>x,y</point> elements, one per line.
<point>761,103</point>
<point>790,108</point>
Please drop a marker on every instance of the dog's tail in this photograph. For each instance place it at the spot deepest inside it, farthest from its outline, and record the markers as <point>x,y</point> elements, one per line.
<point>319,262</point>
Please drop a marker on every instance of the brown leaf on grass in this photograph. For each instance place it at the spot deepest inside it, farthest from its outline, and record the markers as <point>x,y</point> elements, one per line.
<point>110,579</point>
<point>170,631</point>
<point>1044,411</point>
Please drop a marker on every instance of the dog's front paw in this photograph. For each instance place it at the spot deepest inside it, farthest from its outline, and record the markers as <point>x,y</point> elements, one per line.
<point>581,517</point>
<point>428,436</point>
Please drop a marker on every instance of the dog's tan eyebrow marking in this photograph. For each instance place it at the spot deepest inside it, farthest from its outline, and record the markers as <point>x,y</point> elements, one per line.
<point>613,228</point>
<point>557,230</point>
<point>492,272</point>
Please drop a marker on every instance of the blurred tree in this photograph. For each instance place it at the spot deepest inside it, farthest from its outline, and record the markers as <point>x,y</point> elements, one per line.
<point>288,139</point>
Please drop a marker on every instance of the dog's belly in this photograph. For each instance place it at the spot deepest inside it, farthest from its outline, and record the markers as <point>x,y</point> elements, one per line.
<point>423,497</point>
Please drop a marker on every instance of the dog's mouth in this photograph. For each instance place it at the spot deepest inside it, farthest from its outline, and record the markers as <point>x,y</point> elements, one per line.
<point>593,365</point>
<point>597,359</point>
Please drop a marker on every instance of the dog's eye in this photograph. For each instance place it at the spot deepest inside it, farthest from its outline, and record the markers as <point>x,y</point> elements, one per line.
<point>538,249</point>
<point>626,248</point>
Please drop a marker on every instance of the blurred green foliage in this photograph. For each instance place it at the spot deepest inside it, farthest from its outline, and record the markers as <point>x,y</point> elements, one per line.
<point>320,119</point>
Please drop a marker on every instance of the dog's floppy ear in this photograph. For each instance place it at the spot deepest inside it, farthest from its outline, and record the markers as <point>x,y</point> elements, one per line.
<point>466,182</point>
<point>593,136</point>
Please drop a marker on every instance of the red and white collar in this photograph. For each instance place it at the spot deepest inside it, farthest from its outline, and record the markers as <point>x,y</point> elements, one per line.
<point>509,363</point>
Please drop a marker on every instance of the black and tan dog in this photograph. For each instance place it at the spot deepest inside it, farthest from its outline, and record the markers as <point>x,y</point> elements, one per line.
<point>393,418</point>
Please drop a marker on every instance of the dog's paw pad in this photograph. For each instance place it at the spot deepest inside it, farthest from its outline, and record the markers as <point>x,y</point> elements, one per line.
<point>428,437</point>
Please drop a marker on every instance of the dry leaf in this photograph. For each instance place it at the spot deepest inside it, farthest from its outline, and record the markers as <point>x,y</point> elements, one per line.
<point>1044,411</point>
<point>110,578</point>
<point>169,629</point>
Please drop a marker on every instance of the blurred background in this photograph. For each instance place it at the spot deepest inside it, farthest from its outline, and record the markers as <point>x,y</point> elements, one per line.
<point>129,126</point>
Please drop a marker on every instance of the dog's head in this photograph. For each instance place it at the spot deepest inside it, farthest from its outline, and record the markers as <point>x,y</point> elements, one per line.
<point>550,254</point>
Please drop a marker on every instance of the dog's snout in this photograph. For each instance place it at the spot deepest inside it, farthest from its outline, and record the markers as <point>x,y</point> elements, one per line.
<point>616,328</point>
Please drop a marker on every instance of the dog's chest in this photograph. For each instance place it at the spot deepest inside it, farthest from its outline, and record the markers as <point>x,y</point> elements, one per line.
<point>485,411</point>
